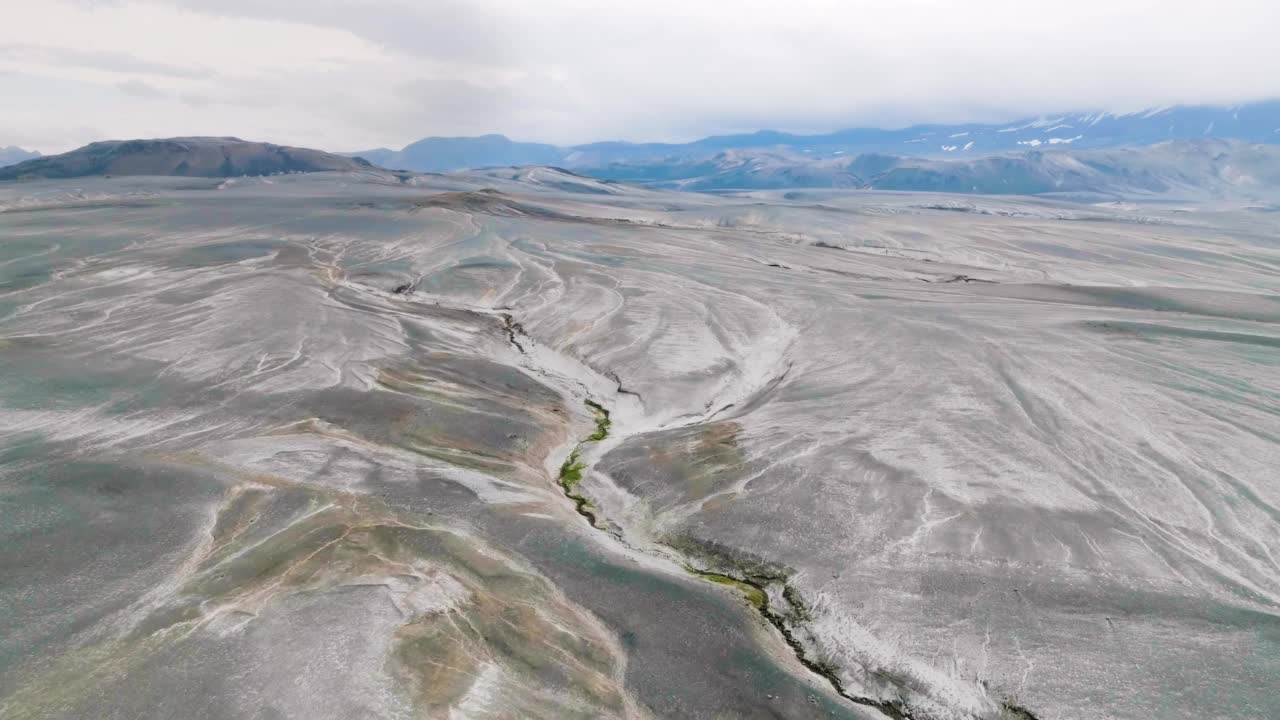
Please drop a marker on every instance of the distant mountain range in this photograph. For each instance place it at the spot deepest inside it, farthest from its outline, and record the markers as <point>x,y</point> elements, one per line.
<point>12,155</point>
<point>190,156</point>
<point>1179,150</point>
<point>1254,122</point>
<point>1142,165</point>
<point>1178,169</point>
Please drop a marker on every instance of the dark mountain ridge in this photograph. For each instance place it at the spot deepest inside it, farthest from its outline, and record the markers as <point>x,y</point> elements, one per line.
<point>182,156</point>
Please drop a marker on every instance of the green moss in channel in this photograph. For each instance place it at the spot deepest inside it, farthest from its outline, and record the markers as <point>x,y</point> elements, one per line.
<point>753,594</point>
<point>602,422</point>
<point>571,470</point>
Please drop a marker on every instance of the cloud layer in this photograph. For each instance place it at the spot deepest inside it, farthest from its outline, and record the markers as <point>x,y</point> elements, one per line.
<point>351,74</point>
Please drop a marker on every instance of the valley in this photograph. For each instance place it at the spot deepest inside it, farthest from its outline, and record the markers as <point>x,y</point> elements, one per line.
<point>519,442</point>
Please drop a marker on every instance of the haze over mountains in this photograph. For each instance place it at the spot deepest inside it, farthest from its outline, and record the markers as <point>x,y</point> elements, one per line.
<point>13,154</point>
<point>1257,122</point>
<point>1182,169</point>
<point>442,154</point>
<point>1187,152</point>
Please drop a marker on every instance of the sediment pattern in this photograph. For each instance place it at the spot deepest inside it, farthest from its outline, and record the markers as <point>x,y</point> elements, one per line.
<point>522,444</point>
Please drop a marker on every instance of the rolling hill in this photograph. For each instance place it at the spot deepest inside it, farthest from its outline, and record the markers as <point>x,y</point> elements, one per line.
<point>188,156</point>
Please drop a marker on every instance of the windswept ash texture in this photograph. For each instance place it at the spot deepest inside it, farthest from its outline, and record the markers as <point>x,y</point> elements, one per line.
<point>520,443</point>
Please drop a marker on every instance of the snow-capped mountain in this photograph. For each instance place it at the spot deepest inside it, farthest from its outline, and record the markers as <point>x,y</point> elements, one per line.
<point>1257,122</point>
<point>1180,168</point>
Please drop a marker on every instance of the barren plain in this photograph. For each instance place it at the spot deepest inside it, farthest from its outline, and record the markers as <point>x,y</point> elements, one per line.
<point>519,443</point>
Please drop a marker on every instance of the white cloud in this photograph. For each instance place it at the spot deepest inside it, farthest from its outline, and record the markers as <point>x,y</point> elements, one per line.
<point>349,74</point>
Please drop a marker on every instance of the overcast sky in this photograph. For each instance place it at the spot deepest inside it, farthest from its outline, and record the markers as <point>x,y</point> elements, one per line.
<point>356,74</point>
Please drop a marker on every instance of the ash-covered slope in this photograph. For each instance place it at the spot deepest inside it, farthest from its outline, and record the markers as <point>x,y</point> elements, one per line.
<point>184,156</point>
<point>515,443</point>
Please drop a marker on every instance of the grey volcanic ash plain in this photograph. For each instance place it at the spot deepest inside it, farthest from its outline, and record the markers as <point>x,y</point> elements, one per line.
<point>522,444</point>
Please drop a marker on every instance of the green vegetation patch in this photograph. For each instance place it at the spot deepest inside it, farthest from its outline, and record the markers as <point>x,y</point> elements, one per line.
<point>753,594</point>
<point>603,422</point>
<point>571,470</point>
